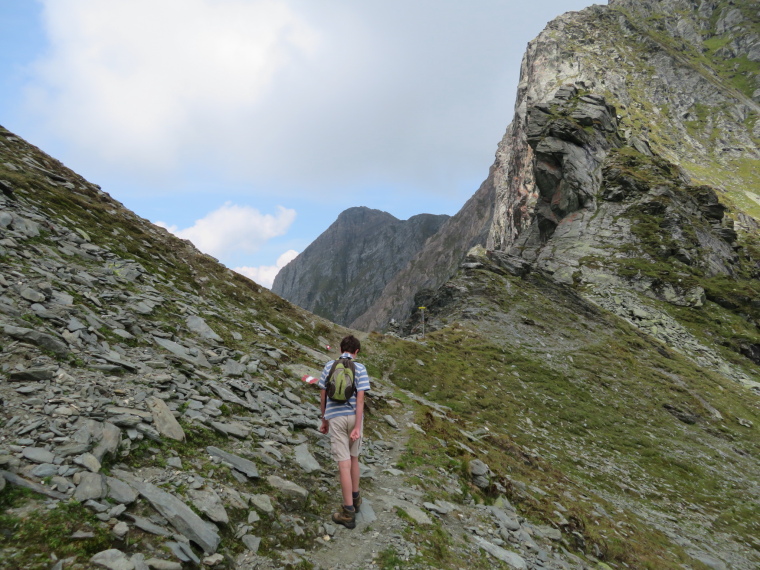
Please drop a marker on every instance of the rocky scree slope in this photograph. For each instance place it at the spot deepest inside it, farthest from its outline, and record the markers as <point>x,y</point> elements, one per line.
<point>345,269</point>
<point>153,414</point>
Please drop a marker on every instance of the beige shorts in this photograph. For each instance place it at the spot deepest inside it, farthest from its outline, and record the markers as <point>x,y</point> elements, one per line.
<point>341,446</point>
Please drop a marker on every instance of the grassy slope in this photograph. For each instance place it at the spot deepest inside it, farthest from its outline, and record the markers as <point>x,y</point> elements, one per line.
<point>574,403</point>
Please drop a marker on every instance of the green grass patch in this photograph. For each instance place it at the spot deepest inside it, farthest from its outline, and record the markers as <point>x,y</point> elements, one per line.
<point>29,539</point>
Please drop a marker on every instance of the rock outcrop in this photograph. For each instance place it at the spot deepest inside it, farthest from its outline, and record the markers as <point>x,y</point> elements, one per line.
<point>346,268</point>
<point>669,69</point>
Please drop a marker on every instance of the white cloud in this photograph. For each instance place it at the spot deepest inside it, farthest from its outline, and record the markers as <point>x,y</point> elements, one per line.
<point>304,99</point>
<point>234,229</point>
<point>265,274</point>
<point>142,82</point>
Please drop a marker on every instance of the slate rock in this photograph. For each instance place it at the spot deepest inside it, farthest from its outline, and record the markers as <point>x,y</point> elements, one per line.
<point>32,375</point>
<point>161,564</point>
<point>109,441</point>
<point>91,486</point>
<point>120,530</point>
<point>45,470</point>
<point>164,420</point>
<point>126,420</point>
<point>415,513</point>
<point>251,542</point>
<point>477,467</point>
<point>120,492</point>
<point>232,428</point>
<point>262,503</point>
<point>288,488</point>
<point>209,503</point>
<point>215,559</point>
<point>147,526</point>
<point>245,466</point>
<point>549,532</point>
<point>112,559</point>
<point>305,460</point>
<point>512,559</point>
<point>179,515</point>
<point>44,341</point>
<point>182,352</point>
<point>38,455</point>
<point>507,521</point>
<point>88,461</point>
<point>199,326</point>
<point>301,421</point>
<point>233,368</point>
<point>390,420</point>
<point>366,514</point>
<point>32,295</point>
<point>226,394</point>
<point>138,559</point>
<point>14,479</point>
<point>183,552</point>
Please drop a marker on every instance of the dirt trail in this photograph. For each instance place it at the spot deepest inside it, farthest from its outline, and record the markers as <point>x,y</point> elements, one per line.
<point>378,526</point>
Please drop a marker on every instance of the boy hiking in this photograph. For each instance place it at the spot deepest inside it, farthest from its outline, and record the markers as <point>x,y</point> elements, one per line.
<point>342,384</point>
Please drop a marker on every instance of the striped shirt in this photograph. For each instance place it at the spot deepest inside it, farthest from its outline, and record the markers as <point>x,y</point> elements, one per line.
<point>337,409</point>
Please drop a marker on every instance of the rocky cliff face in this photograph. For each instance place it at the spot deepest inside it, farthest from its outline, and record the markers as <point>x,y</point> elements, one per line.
<point>345,269</point>
<point>682,75</point>
<point>612,220</point>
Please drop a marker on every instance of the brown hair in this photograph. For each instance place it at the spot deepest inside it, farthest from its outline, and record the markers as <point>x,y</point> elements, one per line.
<point>350,344</point>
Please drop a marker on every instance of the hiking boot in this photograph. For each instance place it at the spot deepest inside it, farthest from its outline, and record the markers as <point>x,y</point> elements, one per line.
<point>345,517</point>
<point>357,503</point>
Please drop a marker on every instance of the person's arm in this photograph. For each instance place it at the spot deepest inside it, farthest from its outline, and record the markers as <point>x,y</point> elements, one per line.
<point>325,426</point>
<point>356,433</point>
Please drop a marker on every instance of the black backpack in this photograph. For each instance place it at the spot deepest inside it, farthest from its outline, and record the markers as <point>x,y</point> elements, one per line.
<point>341,382</point>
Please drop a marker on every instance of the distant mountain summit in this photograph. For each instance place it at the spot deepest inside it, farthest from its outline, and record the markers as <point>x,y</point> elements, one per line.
<point>346,268</point>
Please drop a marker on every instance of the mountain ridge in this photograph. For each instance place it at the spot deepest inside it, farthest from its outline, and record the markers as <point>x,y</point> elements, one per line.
<point>339,274</point>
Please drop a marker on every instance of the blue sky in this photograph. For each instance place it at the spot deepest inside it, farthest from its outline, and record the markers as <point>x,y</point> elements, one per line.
<point>247,126</point>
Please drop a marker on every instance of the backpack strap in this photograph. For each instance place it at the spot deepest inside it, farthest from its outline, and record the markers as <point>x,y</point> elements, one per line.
<point>332,370</point>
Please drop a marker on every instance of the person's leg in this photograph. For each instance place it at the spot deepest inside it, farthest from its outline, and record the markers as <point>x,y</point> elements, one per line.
<point>345,474</point>
<point>354,475</point>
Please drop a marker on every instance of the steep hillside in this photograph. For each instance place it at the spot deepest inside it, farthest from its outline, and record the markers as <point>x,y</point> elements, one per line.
<point>645,452</point>
<point>345,269</point>
<point>154,417</point>
<point>153,414</point>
